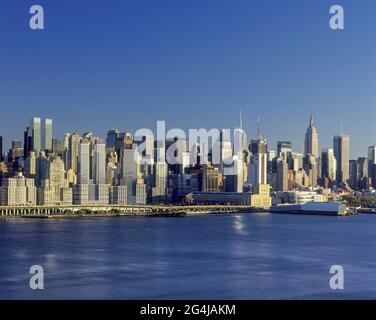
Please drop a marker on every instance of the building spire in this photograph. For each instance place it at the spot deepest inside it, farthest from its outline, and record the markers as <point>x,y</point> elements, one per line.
<point>258,126</point>
<point>341,128</point>
<point>241,119</point>
<point>311,121</point>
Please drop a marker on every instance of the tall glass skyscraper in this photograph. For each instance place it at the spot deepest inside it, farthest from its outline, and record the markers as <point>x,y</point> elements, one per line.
<point>84,163</point>
<point>38,136</point>
<point>341,147</point>
<point>35,134</point>
<point>46,143</point>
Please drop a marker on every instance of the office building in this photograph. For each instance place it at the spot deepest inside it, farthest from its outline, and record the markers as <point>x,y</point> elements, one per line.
<point>118,195</point>
<point>84,163</point>
<point>372,164</point>
<point>210,179</point>
<point>112,136</point>
<point>141,194</point>
<point>284,148</point>
<point>328,164</point>
<point>46,135</point>
<point>311,142</point>
<point>258,167</point>
<point>18,191</point>
<point>35,134</point>
<point>261,199</point>
<point>99,163</point>
<point>341,148</point>
<point>282,175</point>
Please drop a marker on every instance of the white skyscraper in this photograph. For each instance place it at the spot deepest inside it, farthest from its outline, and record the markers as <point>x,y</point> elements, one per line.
<point>329,164</point>
<point>258,169</point>
<point>47,135</point>
<point>100,163</point>
<point>84,163</point>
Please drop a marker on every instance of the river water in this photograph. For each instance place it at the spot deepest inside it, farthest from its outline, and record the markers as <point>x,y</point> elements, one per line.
<point>241,256</point>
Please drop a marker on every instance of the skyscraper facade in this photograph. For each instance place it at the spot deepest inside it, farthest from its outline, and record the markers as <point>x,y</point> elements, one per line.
<point>328,164</point>
<point>35,134</point>
<point>100,163</point>
<point>311,142</point>
<point>84,163</point>
<point>341,147</point>
<point>372,164</point>
<point>284,148</point>
<point>47,135</point>
<point>38,136</point>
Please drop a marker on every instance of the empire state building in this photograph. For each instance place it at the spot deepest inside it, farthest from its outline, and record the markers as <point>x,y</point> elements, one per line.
<point>311,143</point>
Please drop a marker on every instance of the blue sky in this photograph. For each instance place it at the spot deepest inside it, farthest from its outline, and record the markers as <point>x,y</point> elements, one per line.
<point>193,63</point>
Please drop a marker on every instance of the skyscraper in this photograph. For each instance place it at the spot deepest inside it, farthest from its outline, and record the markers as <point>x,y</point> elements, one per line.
<point>362,170</point>
<point>161,175</point>
<point>359,173</point>
<point>112,135</point>
<point>38,136</point>
<point>73,151</point>
<point>244,135</point>
<point>328,164</point>
<point>35,134</point>
<point>130,169</point>
<point>258,165</point>
<point>100,163</point>
<point>341,147</point>
<point>258,169</point>
<point>353,171</point>
<point>258,145</point>
<point>282,175</point>
<point>225,147</point>
<point>310,167</point>
<point>47,136</point>
<point>210,179</point>
<point>284,148</point>
<point>27,143</point>
<point>56,177</point>
<point>311,143</point>
<point>84,163</point>
<point>371,164</point>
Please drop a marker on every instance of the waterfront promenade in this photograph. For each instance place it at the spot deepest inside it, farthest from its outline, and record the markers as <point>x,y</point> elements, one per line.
<point>117,210</point>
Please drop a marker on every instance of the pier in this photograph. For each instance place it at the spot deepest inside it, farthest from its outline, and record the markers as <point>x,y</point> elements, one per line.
<point>117,210</point>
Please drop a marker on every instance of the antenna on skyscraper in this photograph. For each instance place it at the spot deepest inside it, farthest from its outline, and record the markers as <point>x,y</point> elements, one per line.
<point>341,128</point>
<point>241,119</point>
<point>258,126</point>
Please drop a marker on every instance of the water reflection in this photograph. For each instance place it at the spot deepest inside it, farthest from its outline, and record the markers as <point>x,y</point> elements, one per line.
<point>239,225</point>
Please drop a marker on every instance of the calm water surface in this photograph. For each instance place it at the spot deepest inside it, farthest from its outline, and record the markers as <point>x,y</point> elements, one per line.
<point>245,256</point>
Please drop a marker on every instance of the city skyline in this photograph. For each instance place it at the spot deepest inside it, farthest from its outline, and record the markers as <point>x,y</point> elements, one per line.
<point>151,61</point>
<point>187,151</point>
<point>7,144</point>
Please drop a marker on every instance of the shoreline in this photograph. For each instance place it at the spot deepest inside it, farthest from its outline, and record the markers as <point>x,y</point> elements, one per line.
<point>126,211</point>
<point>108,216</point>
